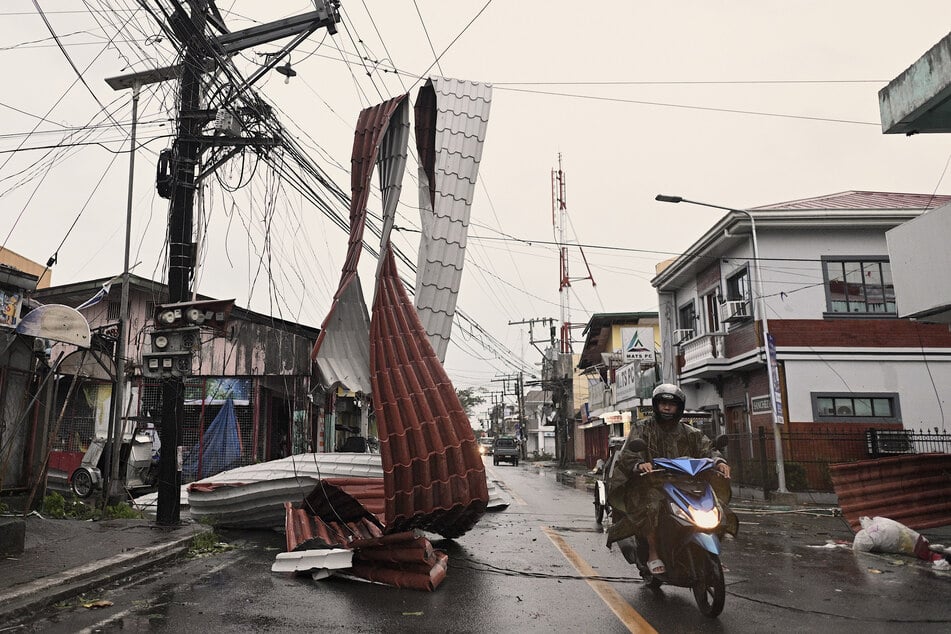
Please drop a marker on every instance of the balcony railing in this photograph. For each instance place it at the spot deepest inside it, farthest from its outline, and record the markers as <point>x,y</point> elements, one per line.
<point>702,348</point>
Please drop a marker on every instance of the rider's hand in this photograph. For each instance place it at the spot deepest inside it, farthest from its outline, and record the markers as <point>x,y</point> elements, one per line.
<point>645,467</point>
<point>724,469</point>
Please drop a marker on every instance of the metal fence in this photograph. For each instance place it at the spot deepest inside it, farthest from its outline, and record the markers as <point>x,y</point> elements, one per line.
<point>807,455</point>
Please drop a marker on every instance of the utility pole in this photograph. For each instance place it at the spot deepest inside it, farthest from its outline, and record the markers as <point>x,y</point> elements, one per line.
<point>189,144</point>
<point>181,257</point>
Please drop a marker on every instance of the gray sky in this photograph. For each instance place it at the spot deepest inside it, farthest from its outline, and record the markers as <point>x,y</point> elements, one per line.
<point>734,103</point>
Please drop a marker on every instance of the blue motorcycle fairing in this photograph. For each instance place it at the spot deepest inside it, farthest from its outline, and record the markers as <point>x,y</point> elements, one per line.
<point>704,502</point>
<point>689,466</point>
<point>708,541</point>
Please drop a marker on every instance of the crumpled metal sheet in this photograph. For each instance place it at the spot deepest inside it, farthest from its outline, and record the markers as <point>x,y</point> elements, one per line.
<point>333,517</point>
<point>341,349</point>
<point>434,475</point>
<point>451,121</point>
<point>912,489</point>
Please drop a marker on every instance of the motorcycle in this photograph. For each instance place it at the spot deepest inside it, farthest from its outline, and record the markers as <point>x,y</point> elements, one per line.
<point>138,465</point>
<point>688,532</point>
<point>601,504</point>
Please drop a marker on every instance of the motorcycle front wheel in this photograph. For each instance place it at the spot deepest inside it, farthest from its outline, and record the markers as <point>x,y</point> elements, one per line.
<point>710,590</point>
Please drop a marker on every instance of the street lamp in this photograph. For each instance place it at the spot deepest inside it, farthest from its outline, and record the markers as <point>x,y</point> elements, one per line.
<point>135,81</point>
<point>761,309</point>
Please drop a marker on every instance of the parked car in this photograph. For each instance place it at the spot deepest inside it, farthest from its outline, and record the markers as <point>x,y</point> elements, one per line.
<point>505,449</point>
<point>485,445</point>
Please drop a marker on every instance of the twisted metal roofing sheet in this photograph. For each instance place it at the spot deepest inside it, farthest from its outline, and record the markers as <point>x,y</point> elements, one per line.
<point>914,490</point>
<point>435,478</point>
<point>342,348</point>
<point>334,517</point>
<point>863,200</point>
<point>451,121</point>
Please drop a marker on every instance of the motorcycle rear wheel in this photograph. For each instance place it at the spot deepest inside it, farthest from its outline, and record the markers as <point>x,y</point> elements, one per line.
<point>710,590</point>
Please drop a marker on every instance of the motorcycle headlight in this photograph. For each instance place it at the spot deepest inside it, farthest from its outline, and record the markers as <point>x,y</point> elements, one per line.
<point>707,520</point>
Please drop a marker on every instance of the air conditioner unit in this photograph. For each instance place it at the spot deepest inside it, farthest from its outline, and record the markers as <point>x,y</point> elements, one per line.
<point>681,336</point>
<point>736,311</point>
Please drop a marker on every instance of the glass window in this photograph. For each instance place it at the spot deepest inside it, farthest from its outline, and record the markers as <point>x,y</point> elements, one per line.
<point>856,407</point>
<point>856,286</point>
<point>687,317</point>
<point>738,287</point>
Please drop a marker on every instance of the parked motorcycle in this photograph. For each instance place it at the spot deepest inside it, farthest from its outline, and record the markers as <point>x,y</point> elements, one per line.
<point>138,466</point>
<point>688,532</point>
<point>601,504</point>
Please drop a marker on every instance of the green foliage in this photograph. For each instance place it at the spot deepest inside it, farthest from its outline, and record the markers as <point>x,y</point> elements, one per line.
<point>4,508</point>
<point>207,543</point>
<point>121,511</point>
<point>469,398</point>
<point>55,506</point>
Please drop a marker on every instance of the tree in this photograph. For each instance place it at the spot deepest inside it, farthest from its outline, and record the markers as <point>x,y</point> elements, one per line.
<point>469,398</point>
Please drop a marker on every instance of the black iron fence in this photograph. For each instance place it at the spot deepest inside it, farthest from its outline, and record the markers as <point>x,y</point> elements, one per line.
<point>807,455</point>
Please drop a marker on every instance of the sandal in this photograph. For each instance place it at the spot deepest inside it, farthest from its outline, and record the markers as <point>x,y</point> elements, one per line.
<point>656,567</point>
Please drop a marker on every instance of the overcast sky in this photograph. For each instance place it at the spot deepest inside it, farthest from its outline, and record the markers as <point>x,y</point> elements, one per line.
<point>733,103</point>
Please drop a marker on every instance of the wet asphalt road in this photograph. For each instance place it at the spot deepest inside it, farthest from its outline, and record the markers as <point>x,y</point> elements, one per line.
<point>523,570</point>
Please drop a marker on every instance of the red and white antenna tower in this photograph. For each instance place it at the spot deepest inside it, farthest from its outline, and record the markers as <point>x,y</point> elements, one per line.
<point>559,220</point>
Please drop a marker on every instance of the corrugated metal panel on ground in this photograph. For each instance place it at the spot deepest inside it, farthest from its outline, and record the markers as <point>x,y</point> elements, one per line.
<point>435,478</point>
<point>863,200</point>
<point>912,489</point>
<point>451,121</point>
<point>403,560</point>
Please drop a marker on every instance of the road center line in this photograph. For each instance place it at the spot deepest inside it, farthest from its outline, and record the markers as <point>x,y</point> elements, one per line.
<point>630,617</point>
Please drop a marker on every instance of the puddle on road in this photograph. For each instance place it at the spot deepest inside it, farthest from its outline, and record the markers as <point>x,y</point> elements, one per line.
<point>578,481</point>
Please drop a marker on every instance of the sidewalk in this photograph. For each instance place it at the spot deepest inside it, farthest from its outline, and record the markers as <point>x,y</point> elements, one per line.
<point>64,558</point>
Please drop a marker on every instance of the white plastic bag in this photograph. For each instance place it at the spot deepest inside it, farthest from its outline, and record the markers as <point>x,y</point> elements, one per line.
<point>882,535</point>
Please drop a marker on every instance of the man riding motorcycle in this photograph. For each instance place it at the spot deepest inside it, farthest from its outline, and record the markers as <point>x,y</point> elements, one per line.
<point>635,502</point>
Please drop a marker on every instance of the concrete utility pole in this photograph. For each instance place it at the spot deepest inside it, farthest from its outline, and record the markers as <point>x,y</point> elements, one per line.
<point>199,48</point>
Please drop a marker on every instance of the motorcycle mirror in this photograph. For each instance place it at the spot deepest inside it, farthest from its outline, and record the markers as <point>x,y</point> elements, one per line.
<point>637,444</point>
<point>721,442</point>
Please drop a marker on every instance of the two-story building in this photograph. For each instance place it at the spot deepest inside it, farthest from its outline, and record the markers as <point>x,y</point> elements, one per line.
<point>822,287</point>
<point>260,364</point>
<point>619,361</point>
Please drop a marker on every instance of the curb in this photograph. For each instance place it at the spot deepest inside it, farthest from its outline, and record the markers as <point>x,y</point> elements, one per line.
<point>46,591</point>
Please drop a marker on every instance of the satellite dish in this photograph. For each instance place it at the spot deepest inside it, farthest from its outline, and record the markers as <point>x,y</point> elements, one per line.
<point>58,323</point>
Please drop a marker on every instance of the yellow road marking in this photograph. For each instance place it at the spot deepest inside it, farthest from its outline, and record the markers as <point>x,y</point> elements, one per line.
<point>628,616</point>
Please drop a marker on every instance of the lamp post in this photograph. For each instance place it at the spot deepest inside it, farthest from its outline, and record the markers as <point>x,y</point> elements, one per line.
<point>135,81</point>
<point>761,308</point>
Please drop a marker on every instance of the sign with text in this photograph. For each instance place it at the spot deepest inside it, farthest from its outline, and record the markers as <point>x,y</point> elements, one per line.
<point>637,344</point>
<point>625,381</point>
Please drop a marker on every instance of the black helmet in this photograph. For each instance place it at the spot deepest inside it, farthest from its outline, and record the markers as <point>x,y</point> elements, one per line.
<point>668,392</point>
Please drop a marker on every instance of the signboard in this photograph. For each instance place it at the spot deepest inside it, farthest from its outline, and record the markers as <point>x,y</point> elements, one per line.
<point>760,404</point>
<point>637,344</point>
<point>776,393</point>
<point>625,381</point>
<point>10,304</point>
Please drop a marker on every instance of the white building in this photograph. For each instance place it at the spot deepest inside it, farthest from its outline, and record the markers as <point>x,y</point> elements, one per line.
<point>845,358</point>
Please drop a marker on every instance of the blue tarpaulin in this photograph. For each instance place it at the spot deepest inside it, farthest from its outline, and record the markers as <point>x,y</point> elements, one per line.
<point>219,448</point>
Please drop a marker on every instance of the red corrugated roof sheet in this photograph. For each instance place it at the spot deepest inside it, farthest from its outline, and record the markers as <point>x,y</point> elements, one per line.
<point>435,478</point>
<point>914,490</point>
<point>372,126</point>
<point>863,200</point>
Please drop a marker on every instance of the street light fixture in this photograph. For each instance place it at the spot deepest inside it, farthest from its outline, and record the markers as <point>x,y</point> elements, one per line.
<point>761,308</point>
